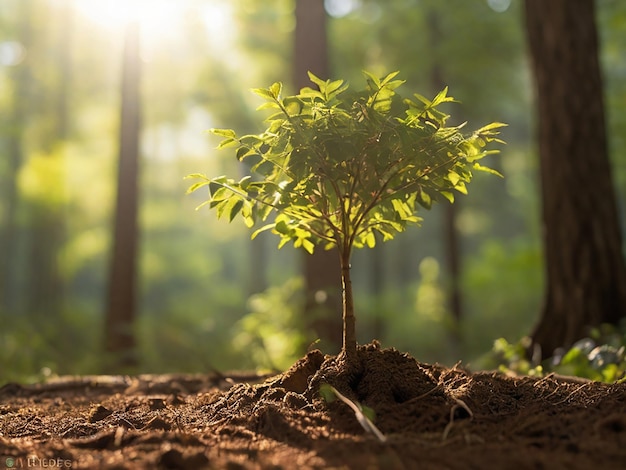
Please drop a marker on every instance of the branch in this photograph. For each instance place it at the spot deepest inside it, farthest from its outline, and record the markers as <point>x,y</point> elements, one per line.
<point>244,195</point>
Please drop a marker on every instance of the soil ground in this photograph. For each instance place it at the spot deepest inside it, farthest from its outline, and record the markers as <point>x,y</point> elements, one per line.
<point>432,417</point>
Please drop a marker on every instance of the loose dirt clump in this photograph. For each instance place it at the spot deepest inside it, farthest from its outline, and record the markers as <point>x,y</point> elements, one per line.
<point>432,417</point>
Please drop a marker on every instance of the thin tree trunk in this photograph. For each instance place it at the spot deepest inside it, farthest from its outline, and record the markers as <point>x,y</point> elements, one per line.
<point>322,275</point>
<point>67,18</point>
<point>586,274</point>
<point>349,322</point>
<point>121,302</point>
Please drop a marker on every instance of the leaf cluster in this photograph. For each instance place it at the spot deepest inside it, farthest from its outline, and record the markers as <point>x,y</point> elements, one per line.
<point>344,168</point>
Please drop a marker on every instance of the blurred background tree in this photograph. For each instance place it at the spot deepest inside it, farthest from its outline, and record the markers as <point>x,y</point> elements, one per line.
<point>60,71</point>
<point>586,273</point>
<point>320,270</point>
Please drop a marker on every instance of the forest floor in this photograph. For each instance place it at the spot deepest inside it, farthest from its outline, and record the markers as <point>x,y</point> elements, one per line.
<point>432,417</point>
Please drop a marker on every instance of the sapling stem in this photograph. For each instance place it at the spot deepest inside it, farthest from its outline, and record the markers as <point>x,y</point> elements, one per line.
<point>349,326</point>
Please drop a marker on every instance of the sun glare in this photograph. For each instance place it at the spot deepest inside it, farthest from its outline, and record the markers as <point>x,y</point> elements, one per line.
<point>160,19</point>
<point>153,15</point>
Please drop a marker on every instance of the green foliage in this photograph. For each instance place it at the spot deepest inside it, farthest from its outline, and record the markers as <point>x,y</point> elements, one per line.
<point>271,334</point>
<point>502,283</point>
<point>600,357</point>
<point>341,167</point>
<point>34,348</point>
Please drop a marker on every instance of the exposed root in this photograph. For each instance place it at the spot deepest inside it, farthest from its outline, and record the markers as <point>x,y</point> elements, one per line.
<point>363,420</point>
<point>460,404</point>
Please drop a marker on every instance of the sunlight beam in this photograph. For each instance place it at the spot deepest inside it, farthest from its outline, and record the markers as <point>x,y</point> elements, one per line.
<point>153,15</point>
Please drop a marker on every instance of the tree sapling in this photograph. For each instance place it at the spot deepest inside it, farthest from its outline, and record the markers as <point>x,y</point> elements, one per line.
<point>346,169</point>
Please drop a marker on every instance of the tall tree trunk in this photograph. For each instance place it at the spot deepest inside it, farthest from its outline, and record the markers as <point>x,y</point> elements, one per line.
<point>22,82</point>
<point>321,270</point>
<point>66,15</point>
<point>586,274</point>
<point>45,283</point>
<point>452,244</point>
<point>121,301</point>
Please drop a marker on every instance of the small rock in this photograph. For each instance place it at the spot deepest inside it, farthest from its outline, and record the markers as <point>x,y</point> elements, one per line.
<point>98,413</point>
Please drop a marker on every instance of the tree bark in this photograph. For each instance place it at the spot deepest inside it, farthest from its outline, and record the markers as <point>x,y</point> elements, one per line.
<point>349,322</point>
<point>451,241</point>
<point>121,302</point>
<point>585,270</point>
<point>321,271</point>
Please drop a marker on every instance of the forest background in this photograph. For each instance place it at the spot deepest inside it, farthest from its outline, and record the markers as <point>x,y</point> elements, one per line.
<point>207,297</point>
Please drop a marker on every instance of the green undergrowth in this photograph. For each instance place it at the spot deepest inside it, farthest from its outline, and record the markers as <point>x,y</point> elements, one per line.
<point>601,357</point>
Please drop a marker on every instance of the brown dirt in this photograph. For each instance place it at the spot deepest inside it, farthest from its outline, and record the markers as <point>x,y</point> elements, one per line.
<point>433,418</point>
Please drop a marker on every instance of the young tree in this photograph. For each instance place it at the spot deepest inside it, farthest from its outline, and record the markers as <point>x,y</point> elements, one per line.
<point>341,169</point>
<point>585,272</point>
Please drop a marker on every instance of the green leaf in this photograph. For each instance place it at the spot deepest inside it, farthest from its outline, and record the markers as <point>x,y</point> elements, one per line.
<point>262,229</point>
<point>224,133</point>
<point>318,81</point>
<point>486,169</point>
<point>327,392</point>
<point>235,209</point>
<point>369,413</point>
<point>448,195</point>
<point>196,186</point>
<point>220,194</point>
<point>242,152</point>
<point>423,99</point>
<point>268,105</point>
<point>226,207</point>
<point>370,239</point>
<point>275,90</point>
<point>442,97</point>
<point>308,92</point>
<point>227,143</point>
<point>492,126</point>
<point>264,93</point>
<point>424,199</point>
<point>454,178</point>
<point>336,87</point>
<point>389,77</point>
<point>293,105</point>
<point>283,241</point>
<point>282,227</point>
<point>196,175</point>
<point>308,245</point>
<point>372,79</point>
<point>244,183</point>
<point>460,187</point>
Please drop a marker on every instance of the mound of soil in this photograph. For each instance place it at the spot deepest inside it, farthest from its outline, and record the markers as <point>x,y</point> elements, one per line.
<point>432,417</point>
